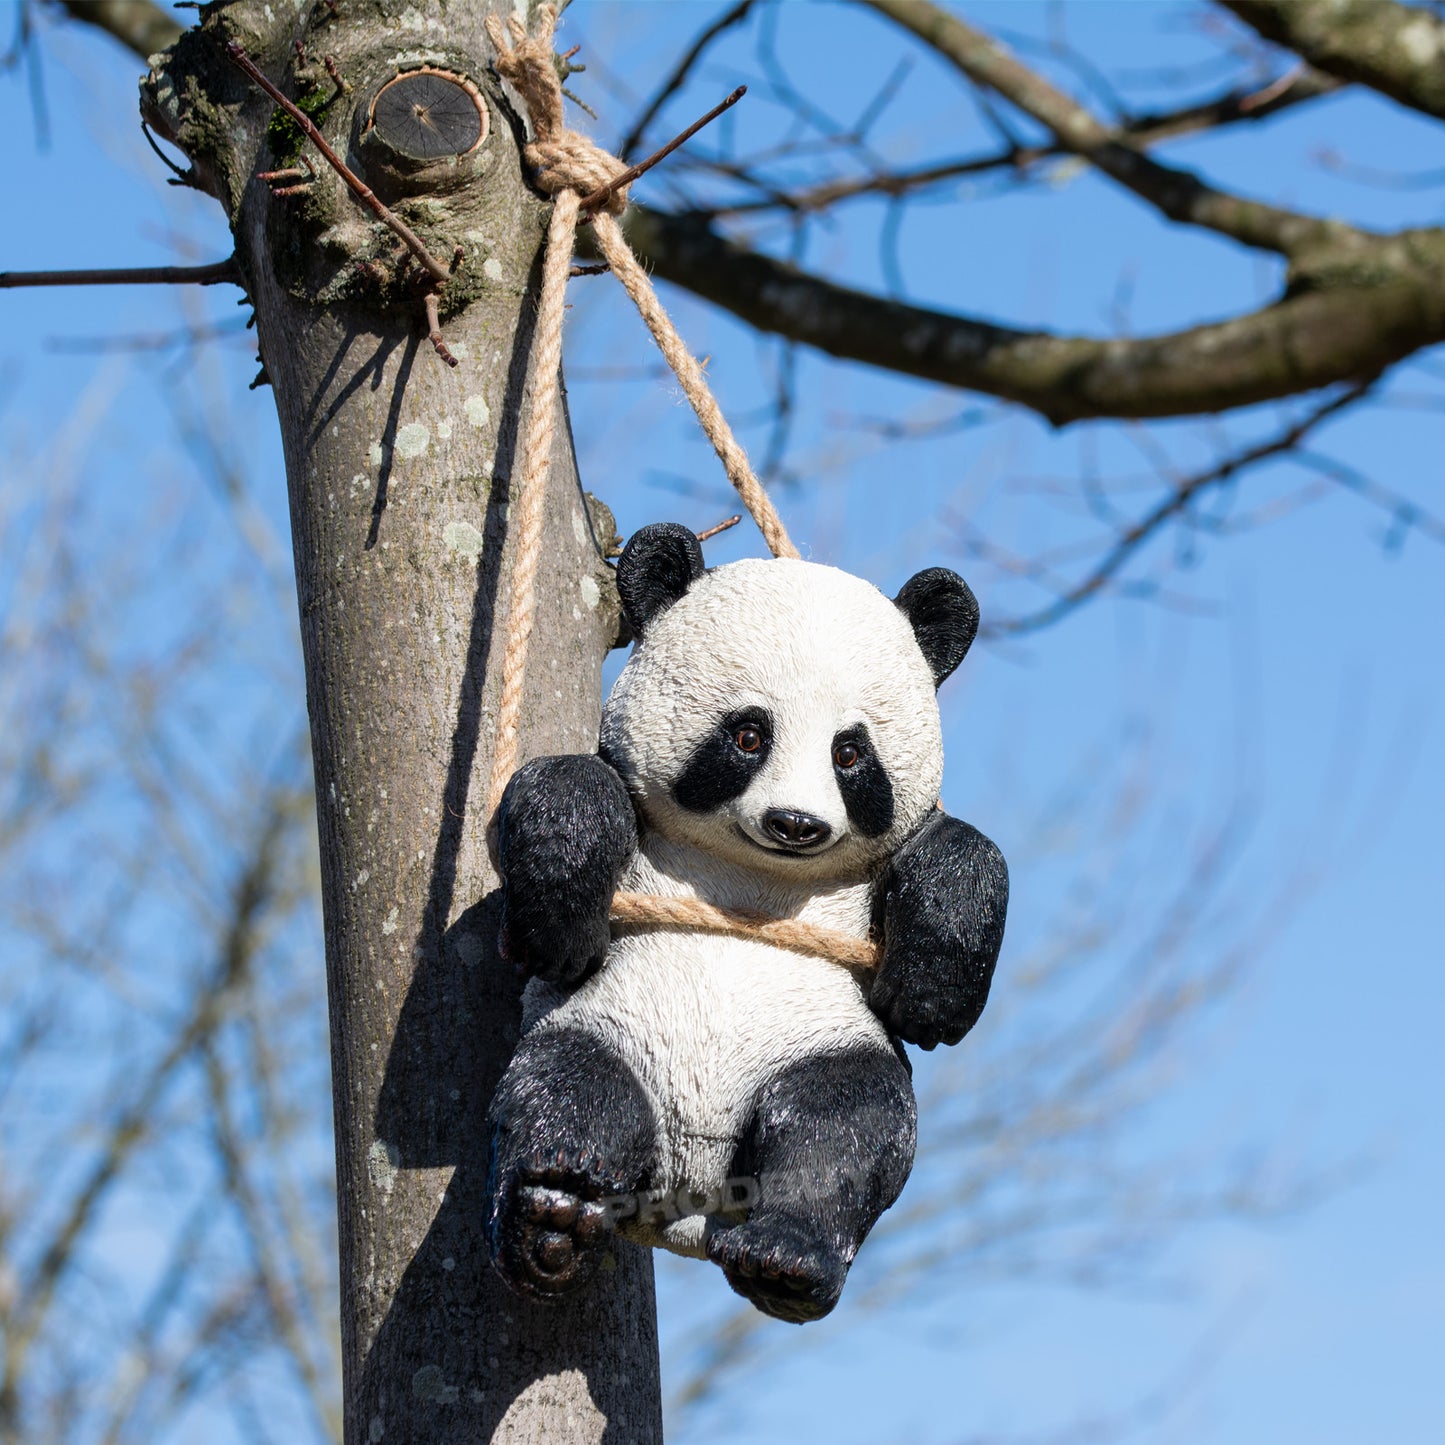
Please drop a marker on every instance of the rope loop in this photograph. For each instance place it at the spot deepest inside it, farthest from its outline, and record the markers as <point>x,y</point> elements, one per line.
<point>570,166</point>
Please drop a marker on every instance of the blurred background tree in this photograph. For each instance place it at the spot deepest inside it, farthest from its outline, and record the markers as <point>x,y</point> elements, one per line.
<point>964,304</point>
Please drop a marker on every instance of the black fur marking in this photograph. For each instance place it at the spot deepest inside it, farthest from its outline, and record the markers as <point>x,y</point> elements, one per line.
<point>944,614</point>
<point>942,901</point>
<point>830,1147</point>
<point>719,770</point>
<point>571,1129</point>
<point>658,564</point>
<point>566,829</point>
<point>867,792</point>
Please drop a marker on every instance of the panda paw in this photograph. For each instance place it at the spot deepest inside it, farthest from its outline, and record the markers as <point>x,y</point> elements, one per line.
<point>551,950</point>
<point>781,1267</point>
<point>566,829</point>
<point>944,902</point>
<point>921,1010</point>
<point>550,1228</point>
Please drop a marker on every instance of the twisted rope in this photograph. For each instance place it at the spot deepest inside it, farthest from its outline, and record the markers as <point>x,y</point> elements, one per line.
<point>528,513</point>
<point>569,166</point>
<point>648,910</point>
<point>568,161</point>
<point>626,267</point>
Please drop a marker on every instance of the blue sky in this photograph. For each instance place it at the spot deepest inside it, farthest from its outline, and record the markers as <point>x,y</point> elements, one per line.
<point>1301,689</point>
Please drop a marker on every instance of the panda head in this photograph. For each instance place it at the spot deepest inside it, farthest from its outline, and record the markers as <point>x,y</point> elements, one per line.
<point>781,714</point>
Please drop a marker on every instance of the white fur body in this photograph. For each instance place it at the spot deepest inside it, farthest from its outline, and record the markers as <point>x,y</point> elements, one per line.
<point>705,1021</point>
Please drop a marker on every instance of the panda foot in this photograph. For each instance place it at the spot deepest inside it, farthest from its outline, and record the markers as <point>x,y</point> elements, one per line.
<point>781,1267</point>
<point>551,1231</point>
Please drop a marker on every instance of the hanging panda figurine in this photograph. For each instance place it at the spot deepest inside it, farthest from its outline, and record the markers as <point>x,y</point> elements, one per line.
<point>772,747</point>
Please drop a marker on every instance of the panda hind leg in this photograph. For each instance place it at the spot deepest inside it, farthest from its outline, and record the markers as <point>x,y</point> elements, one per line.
<point>572,1129</point>
<point>828,1150</point>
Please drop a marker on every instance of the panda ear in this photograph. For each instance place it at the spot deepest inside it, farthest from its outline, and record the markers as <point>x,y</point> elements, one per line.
<point>944,614</point>
<point>658,564</point>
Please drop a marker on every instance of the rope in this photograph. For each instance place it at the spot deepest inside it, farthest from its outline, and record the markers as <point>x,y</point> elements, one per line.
<point>567,161</point>
<point>626,267</point>
<point>650,911</point>
<point>528,514</point>
<point>569,166</point>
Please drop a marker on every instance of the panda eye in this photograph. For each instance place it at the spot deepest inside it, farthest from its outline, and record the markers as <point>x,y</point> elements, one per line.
<point>748,738</point>
<point>845,755</point>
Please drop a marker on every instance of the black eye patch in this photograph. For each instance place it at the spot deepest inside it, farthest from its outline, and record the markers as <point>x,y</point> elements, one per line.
<point>867,793</point>
<point>721,768</point>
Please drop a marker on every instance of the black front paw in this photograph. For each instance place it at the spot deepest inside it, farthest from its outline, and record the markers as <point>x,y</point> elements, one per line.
<point>566,829</point>
<point>920,1011</point>
<point>944,901</point>
<point>552,952</point>
<point>781,1266</point>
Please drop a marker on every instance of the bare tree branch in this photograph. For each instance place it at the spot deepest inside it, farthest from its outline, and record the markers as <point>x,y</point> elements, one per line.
<point>1237,105</point>
<point>1355,303</point>
<point>138,24</point>
<point>1398,50</point>
<point>679,73</point>
<point>1355,322</point>
<point>1246,103</point>
<point>296,1333</point>
<point>1180,498</point>
<point>211,274</point>
<point>145,1358</point>
<point>1178,194</point>
<point>1313,337</point>
<point>134,1124</point>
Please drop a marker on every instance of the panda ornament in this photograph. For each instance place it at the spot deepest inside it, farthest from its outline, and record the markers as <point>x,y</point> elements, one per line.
<point>772,747</point>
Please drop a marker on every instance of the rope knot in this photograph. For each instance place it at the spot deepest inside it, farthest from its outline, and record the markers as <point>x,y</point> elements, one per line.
<point>573,163</point>
<point>564,159</point>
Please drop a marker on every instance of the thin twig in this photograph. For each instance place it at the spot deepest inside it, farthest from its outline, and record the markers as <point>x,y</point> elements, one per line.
<point>208,275</point>
<point>269,1270</point>
<point>1274,89</point>
<point>1180,195</point>
<point>359,188</point>
<point>721,527</point>
<point>135,1124</point>
<point>1133,537</point>
<point>598,198</point>
<point>434,328</point>
<point>189,336</point>
<point>180,178</point>
<point>1143,131</point>
<point>289,173</point>
<point>680,71</point>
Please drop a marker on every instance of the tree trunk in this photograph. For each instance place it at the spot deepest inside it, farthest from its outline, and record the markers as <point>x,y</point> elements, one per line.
<point>398,469</point>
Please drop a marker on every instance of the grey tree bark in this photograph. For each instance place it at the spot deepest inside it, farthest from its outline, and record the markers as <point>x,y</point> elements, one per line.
<point>398,470</point>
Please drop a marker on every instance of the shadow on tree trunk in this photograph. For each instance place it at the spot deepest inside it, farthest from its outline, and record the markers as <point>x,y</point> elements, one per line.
<point>458,1026</point>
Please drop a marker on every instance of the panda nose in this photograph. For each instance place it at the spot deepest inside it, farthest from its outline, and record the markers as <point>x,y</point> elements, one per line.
<point>798,830</point>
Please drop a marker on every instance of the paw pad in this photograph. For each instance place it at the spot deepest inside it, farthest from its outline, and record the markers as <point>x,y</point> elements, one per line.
<point>550,1232</point>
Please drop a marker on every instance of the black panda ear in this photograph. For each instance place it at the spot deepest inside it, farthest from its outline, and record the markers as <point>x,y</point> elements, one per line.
<point>944,614</point>
<point>658,564</point>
